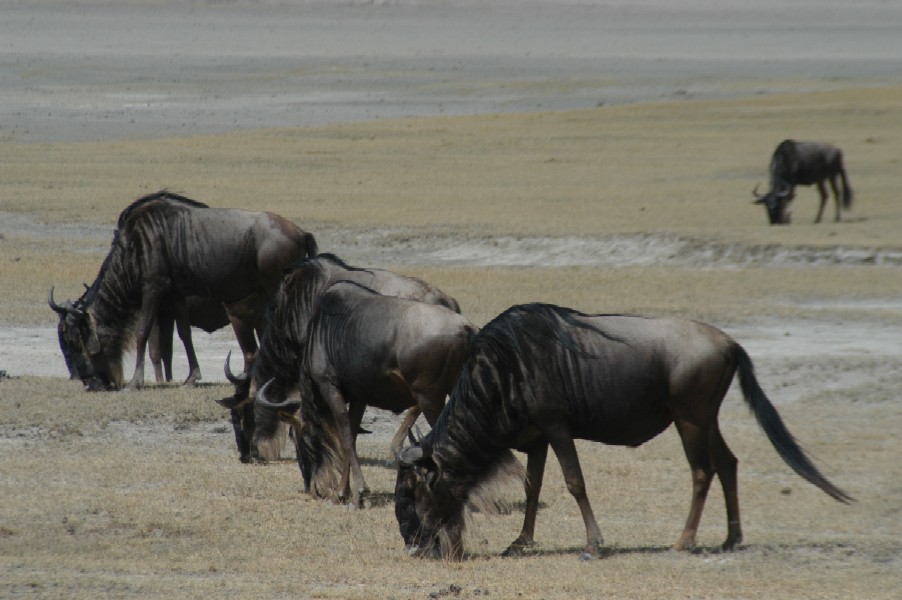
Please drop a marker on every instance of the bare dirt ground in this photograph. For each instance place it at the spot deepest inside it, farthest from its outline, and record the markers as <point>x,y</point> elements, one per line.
<point>630,195</point>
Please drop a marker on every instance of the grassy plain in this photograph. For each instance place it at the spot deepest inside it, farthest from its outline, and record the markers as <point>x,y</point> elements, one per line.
<point>141,495</point>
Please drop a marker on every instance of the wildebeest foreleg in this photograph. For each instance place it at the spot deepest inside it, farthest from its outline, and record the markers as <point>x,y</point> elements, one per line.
<point>159,350</point>
<point>347,418</point>
<point>245,316</point>
<point>562,443</point>
<point>148,315</point>
<point>535,470</point>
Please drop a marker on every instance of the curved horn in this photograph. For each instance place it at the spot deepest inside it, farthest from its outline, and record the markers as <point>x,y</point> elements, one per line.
<point>233,379</point>
<point>286,406</point>
<point>61,309</point>
<point>756,194</point>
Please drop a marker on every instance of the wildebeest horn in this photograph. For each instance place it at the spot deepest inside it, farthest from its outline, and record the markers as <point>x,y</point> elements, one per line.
<point>233,379</point>
<point>279,406</point>
<point>419,450</point>
<point>285,410</point>
<point>63,308</point>
<point>756,194</point>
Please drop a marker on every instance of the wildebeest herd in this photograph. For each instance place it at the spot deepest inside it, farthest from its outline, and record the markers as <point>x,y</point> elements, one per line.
<point>322,340</point>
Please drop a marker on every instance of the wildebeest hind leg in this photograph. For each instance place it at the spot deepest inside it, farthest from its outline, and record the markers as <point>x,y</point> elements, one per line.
<point>823,192</point>
<point>695,444</point>
<point>396,442</point>
<point>838,198</point>
<point>535,470</point>
<point>562,443</point>
<point>726,464</point>
<point>184,330</point>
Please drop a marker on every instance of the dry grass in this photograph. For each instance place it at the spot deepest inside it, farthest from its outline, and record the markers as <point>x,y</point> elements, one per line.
<point>140,494</point>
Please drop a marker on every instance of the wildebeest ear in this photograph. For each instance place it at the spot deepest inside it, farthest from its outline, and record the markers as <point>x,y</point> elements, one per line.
<point>410,456</point>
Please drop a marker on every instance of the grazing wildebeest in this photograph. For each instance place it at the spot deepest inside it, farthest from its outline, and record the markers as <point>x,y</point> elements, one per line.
<point>803,163</point>
<point>540,374</point>
<point>204,313</point>
<point>365,349</point>
<point>257,430</point>
<point>165,248</point>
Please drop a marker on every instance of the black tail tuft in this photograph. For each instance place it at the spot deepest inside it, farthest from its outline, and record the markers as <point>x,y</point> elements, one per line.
<point>783,441</point>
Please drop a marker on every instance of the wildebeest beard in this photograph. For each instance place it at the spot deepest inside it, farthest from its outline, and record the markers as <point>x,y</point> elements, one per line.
<point>456,469</point>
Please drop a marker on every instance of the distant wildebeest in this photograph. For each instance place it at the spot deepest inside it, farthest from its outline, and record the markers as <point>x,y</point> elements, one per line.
<point>803,163</point>
<point>541,374</point>
<point>166,248</point>
<point>365,349</point>
<point>282,348</point>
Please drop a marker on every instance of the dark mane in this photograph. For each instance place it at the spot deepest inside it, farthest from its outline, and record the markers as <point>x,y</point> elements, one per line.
<point>156,196</point>
<point>282,350</point>
<point>539,323</point>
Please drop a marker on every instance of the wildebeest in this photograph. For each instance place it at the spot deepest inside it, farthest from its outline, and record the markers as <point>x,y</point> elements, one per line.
<point>257,431</point>
<point>165,248</point>
<point>365,349</point>
<point>540,374</point>
<point>803,163</point>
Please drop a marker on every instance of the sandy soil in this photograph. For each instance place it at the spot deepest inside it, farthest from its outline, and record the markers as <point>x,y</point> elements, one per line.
<point>98,69</point>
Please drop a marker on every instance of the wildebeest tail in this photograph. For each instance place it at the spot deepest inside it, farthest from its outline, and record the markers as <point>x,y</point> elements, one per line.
<point>783,441</point>
<point>846,189</point>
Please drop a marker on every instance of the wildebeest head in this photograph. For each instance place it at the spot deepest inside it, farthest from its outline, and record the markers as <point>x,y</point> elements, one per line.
<point>84,355</point>
<point>428,520</point>
<point>241,409</point>
<point>778,203</point>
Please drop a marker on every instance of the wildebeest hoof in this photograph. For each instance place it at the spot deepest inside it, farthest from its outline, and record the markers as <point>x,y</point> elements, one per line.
<point>432,551</point>
<point>519,548</point>
<point>597,550</point>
